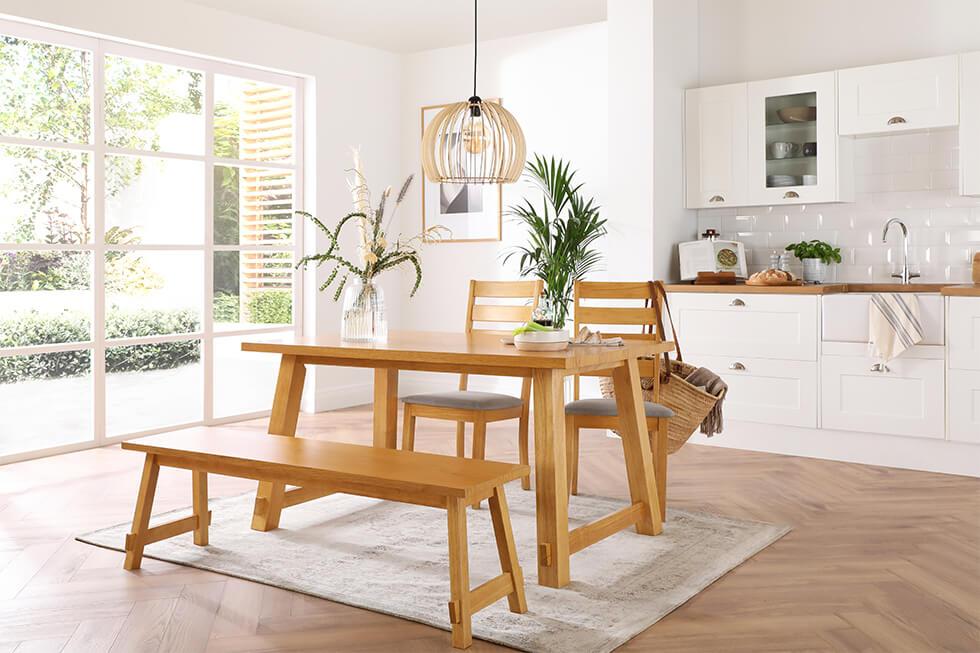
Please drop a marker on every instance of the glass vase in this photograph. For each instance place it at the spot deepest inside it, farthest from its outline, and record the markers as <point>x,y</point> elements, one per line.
<point>363,318</point>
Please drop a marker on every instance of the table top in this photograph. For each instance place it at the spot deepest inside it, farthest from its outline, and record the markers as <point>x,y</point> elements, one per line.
<point>457,349</point>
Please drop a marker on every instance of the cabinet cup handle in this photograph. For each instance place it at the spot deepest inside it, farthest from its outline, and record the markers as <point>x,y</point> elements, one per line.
<point>736,366</point>
<point>897,120</point>
<point>881,368</point>
<point>736,302</point>
<point>716,198</point>
<point>790,194</point>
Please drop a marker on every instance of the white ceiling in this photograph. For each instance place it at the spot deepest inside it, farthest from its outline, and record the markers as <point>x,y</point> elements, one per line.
<point>414,25</point>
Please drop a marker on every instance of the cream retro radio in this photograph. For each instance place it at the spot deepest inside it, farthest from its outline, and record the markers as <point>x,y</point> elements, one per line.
<point>711,255</point>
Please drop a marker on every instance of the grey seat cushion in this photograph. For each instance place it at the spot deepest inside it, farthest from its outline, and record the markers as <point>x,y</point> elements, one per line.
<point>607,408</point>
<point>465,399</point>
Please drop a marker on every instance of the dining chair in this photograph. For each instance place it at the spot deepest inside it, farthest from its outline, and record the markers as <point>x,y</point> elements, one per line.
<point>481,408</point>
<point>601,413</point>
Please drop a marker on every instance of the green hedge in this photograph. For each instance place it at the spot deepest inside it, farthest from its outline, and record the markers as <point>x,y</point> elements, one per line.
<point>270,307</point>
<point>40,329</point>
<point>226,308</point>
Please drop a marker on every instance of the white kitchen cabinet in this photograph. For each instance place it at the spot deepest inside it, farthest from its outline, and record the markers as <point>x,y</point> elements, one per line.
<point>970,123</point>
<point>845,317</point>
<point>906,397</point>
<point>964,333</point>
<point>777,142</point>
<point>963,393</point>
<point>715,146</point>
<point>749,325</point>
<point>902,96</point>
<point>767,391</point>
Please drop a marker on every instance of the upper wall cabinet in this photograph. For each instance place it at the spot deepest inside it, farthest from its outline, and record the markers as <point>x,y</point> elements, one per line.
<point>907,95</point>
<point>970,124</point>
<point>715,144</point>
<point>795,156</point>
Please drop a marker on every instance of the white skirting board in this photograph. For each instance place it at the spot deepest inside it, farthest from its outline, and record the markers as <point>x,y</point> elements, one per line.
<point>921,454</point>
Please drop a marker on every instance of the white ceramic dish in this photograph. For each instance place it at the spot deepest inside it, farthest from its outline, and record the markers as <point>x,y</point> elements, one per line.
<point>554,340</point>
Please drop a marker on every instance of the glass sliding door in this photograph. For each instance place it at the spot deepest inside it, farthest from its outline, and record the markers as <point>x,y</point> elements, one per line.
<point>146,229</point>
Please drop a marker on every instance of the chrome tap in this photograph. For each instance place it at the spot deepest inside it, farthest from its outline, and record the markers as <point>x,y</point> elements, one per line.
<point>905,275</point>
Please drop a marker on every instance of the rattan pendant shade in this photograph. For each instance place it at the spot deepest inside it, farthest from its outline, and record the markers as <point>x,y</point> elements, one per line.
<point>473,142</point>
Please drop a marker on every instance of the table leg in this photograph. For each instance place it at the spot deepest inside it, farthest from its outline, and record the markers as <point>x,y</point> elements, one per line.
<point>285,415</point>
<point>636,447</point>
<point>386,408</point>
<point>551,482</point>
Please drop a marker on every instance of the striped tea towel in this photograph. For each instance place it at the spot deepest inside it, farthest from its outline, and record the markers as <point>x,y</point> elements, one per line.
<point>893,324</point>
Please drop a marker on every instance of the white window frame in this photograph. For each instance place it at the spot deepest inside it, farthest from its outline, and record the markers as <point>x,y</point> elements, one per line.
<point>97,150</point>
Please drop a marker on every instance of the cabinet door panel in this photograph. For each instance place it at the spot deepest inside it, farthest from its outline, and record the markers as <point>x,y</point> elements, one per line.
<point>920,94</point>
<point>970,123</point>
<point>759,326</point>
<point>716,146</point>
<point>964,405</point>
<point>775,121</point>
<point>767,391</point>
<point>964,333</point>
<point>906,400</point>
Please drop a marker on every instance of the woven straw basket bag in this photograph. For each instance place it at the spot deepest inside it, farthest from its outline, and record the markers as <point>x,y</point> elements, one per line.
<point>690,403</point>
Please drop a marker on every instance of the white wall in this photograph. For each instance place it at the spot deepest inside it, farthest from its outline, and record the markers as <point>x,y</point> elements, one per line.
<point>355,91</point>
<point>555,84</point>
<point>743,40</point>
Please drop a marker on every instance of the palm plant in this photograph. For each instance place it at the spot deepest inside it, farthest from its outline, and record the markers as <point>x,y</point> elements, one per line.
<point>561,235</point>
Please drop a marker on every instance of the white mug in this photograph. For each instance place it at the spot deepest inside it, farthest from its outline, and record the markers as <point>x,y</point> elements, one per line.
<point>782,150</point>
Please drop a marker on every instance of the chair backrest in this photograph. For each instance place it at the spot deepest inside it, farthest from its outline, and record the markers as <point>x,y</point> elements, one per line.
<point>524,296</point>
<point>639,303</point>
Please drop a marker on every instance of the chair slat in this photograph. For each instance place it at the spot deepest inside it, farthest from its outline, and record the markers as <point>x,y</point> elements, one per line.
<point>611,315</point>
<point>526,289</point>
<point>494,313</point>
<point>614,290</point>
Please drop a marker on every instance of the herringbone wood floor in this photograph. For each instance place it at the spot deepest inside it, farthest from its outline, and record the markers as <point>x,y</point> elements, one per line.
<point>879,560</point>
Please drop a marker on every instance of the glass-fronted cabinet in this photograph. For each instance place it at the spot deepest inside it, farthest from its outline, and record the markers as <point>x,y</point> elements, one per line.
<point>795,155</point>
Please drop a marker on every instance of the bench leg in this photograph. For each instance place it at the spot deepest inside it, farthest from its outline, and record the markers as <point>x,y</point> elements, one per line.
<point>522,431</point>
<point>199,484</point>
<point>460,610</point>
<point>659,437</point>
<point>141,519</point>
<point>507,550</point>
<point>285,414</point>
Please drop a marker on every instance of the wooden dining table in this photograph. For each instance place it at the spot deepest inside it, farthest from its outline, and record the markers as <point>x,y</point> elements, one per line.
<point>485,354</point>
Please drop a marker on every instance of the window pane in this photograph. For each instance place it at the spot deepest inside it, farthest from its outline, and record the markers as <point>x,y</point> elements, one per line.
<point>45,91</point>
<point>244,381</point>
<point>154,201</point>
<point>45,297</point>
<point>252,120</point>
<point>44,196</point>
<point>152,106</point>
<point>253,287</point>
<point>252,206</point>
<point>155,385</point>
<point>153,293</point>
<point>46,400</point>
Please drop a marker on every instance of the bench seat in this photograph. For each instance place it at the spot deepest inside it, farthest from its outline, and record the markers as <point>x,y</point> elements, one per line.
<point>323,468</point>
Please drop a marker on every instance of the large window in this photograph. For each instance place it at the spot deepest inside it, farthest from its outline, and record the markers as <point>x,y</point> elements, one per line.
<point>146,229</point>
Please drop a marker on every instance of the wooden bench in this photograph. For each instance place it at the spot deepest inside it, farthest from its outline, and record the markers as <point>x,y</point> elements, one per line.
<point>327,467</point>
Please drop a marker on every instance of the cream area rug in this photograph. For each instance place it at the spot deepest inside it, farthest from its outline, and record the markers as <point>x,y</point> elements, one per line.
<point>392,558</point>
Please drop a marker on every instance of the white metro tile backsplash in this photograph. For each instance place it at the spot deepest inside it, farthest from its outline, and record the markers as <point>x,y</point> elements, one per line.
<point>911,176</point>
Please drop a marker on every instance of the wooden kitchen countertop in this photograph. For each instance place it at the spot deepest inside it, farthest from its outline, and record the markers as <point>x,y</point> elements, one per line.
<point>962,290</point>
<point>969,290</point>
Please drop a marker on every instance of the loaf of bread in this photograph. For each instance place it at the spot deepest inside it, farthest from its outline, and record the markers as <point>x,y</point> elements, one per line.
<point>771,275</point>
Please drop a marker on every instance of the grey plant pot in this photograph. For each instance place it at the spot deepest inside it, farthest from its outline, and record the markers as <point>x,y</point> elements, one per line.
<point>814,270</point>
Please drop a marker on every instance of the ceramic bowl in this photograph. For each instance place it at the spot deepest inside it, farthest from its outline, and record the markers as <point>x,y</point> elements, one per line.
<point>797,114</point>
<point>554,340</point>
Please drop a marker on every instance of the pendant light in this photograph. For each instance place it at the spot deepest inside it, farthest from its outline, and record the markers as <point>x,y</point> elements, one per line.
<point>473,142</point>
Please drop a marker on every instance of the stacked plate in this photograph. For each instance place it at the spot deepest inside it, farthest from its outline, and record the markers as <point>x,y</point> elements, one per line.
<point>554,340</point>
<point>777,181</point>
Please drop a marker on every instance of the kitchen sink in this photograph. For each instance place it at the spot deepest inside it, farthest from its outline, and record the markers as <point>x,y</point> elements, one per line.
<point>845,317</point>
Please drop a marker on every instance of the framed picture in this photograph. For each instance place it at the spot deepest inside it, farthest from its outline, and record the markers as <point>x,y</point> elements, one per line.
<point>471,212</point>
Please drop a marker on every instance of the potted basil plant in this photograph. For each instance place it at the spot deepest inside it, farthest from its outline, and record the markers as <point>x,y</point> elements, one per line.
<point>816,256</point>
